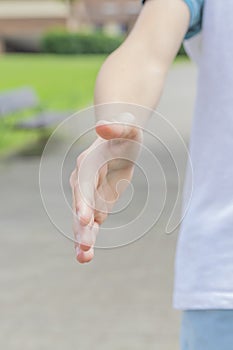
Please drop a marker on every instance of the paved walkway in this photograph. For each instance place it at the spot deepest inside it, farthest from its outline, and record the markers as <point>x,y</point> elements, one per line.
<point>121,301</point>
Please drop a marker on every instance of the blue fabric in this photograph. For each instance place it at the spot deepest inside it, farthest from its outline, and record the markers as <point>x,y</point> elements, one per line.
<point>196,10</point>
<point>207,330</point>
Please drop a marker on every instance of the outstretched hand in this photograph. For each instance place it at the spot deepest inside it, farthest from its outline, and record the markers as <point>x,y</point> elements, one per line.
<point>102,173</point>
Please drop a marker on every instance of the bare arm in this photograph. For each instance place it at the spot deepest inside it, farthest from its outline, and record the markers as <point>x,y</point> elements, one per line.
<point>135,74</point>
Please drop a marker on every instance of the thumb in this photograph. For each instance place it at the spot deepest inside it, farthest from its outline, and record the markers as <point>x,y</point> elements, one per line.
<point>124,127</point>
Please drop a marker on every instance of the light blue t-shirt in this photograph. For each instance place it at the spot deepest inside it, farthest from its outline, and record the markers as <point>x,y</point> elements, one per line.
<point>204,259</point>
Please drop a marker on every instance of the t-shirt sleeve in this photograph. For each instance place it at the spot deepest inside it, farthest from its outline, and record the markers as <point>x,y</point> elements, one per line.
<point>196,10</point>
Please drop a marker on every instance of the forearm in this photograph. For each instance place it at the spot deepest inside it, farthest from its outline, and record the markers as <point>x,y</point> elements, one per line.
<point>127,76</point>
<point>135,72</point>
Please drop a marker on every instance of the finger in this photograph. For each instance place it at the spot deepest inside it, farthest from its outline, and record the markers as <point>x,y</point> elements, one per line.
<point>85,236</point>
<point>89,167</point>
<point>84,257</point>
<point>105,198</point>
<point>110,130</point>
<point>84,201</point>
<point>124,127</point>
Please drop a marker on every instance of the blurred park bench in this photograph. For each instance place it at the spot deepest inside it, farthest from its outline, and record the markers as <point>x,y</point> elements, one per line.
<point>23,99</point>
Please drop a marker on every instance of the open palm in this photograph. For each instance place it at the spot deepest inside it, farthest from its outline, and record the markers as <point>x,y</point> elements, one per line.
<point>102,173</point>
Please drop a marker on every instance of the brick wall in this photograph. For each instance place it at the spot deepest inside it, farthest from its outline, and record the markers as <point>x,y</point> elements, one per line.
<point>120,11</point>
<point>28,27</point>
<point>95,13</point>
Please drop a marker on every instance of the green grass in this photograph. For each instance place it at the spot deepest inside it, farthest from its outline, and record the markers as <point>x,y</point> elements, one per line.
<point>182,59</point>
<point>61,82</point>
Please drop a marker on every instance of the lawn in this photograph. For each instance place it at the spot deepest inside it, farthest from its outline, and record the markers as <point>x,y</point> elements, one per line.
<point>62,83</point>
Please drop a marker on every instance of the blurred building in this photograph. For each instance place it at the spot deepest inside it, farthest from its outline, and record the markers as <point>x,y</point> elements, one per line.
<point>30,18</point>
<point>113,15</point>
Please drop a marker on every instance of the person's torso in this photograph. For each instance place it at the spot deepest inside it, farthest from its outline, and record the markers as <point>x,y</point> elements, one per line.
<point>204,265</point>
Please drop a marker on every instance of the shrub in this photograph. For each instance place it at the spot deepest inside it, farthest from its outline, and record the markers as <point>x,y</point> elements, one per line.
<point>62,42</point>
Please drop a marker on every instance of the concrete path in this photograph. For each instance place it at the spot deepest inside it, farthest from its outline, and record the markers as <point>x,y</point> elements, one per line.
<point>121,301</point>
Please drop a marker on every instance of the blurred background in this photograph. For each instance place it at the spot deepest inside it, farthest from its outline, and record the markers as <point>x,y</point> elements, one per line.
<point>50,54</point>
